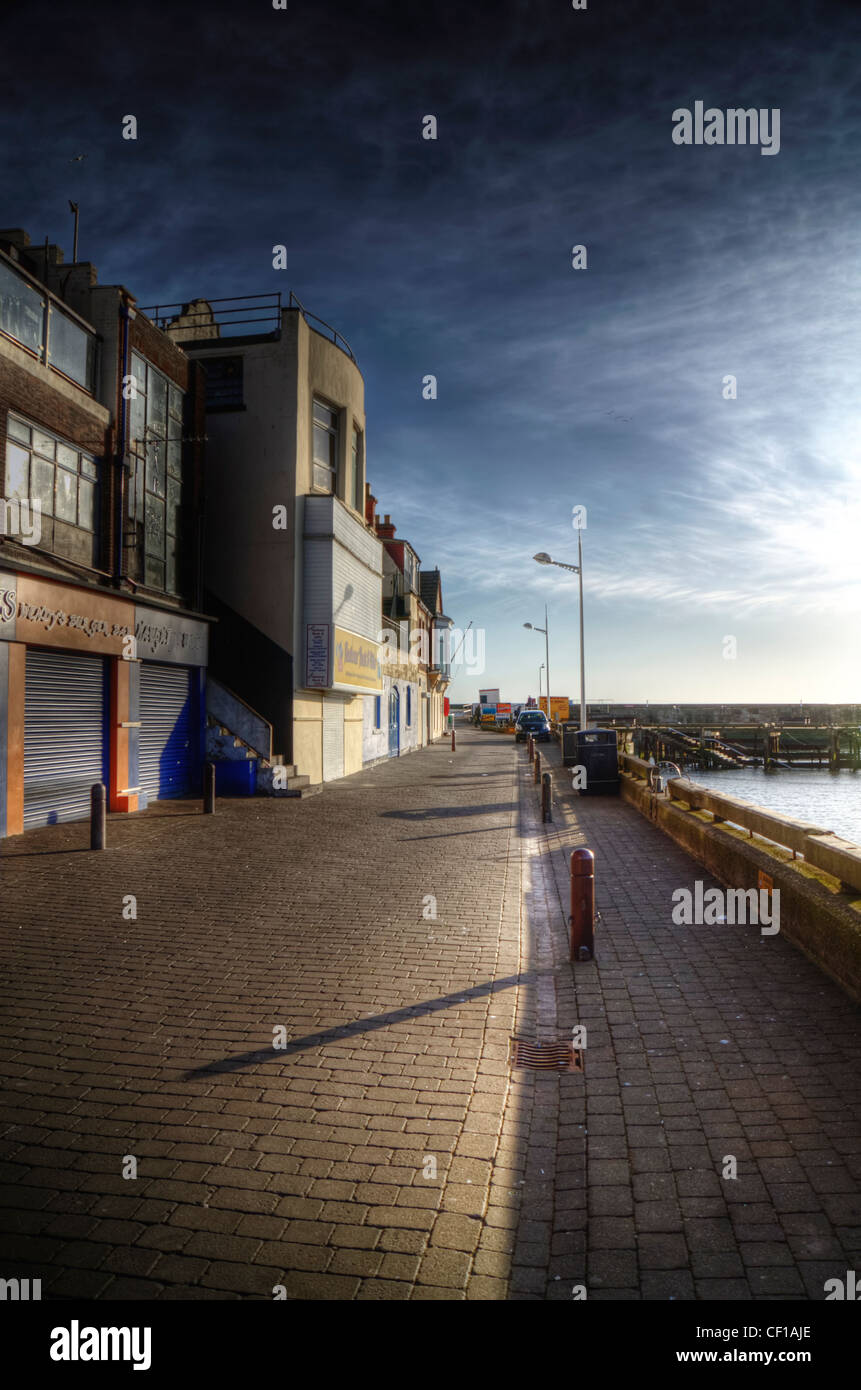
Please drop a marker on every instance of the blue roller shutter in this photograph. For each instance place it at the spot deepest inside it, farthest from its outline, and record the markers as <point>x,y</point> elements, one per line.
<point>64,735</point>
<point>168,732</point>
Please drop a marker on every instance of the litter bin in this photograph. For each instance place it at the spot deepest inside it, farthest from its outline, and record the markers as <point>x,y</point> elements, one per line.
<point>596,751</point>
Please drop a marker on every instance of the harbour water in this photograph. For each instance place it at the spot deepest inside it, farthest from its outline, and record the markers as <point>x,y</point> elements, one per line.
<point>831,800</point>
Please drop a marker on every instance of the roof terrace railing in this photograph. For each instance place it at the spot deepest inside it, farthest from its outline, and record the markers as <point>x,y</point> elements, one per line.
<point>337,338</point>
<point>260,311</point>
<point>234,314</point>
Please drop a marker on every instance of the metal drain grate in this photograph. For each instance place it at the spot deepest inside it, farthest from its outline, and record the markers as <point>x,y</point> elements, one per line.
<point>560,1056</point>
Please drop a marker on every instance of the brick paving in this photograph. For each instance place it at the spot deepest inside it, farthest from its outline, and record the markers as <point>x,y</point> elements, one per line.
<point>703,1042</point>
<point>386,1152</point>
<point>352,1163</point>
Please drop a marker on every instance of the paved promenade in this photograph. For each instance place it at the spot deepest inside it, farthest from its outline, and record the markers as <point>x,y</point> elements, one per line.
<point>382,1149</point>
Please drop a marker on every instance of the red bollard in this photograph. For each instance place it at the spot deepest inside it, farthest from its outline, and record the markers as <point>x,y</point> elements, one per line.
<point>453,744</point>
<point>582,919</point>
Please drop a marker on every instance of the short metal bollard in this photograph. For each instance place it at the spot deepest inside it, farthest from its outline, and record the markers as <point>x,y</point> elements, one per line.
<point>530,747</point>
<point>453,741</point>
<point>582,919</point>
<point>98,816</point>
<point>209,789</point>
<point>545,797</point>
<point>536,771</point>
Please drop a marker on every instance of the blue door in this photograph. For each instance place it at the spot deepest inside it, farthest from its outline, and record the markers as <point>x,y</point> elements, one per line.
<point>394,722</point>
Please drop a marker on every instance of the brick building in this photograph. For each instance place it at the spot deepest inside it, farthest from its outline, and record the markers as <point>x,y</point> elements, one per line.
<point>103,647</point>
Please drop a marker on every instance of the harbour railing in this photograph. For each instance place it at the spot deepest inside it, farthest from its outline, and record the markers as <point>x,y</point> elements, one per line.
<point>820,848</point>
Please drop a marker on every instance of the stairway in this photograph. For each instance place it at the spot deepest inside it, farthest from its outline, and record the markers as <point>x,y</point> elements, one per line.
<point>227,712</point>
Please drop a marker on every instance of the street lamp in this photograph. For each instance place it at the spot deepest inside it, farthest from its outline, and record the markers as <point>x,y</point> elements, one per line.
<point>544,559</point>
<point>546,630</point>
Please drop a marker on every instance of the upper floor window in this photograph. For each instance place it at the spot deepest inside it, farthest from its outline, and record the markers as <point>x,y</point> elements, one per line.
<point>41,326</point>
<point>325,456</point>
<point>356,497</point>
<point>409,569</point>
<point>223,382</point>
<point>155,478</point>
<point>41,467</point>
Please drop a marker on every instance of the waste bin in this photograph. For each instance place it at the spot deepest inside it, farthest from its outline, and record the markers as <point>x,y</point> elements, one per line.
<point>596,751</point>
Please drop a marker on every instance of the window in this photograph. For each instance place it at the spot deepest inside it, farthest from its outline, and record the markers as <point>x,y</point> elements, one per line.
<point>325,457</point>
<point>61,477</point>
<point>70,349</point>
<point>22,310</point>
<point>155,478</point>
<point>377,711</point>
<point>42,327</point>
<point>409,569</point>
<point>356,497</point>
<point>223,382</point>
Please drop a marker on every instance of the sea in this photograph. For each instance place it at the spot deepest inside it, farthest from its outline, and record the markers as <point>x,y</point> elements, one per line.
<point>831,800</point>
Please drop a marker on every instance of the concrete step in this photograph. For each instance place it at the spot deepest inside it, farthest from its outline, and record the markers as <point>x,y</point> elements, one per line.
<point>290,786</point>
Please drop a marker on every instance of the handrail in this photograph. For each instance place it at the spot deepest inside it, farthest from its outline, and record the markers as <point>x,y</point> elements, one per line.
<point>212,686</point>
<point>266,314</point>
<point>294,302</point>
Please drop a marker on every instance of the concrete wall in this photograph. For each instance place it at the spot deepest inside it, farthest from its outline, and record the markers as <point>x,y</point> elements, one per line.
<point>822,923</point>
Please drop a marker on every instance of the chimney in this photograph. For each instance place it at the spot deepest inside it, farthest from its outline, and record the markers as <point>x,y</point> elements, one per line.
<point>14,236</point>
<point>385,530</point>
<point>370,506</point>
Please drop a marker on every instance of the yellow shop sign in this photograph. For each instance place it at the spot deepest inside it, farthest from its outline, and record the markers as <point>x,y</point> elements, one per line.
<point>357,661</point>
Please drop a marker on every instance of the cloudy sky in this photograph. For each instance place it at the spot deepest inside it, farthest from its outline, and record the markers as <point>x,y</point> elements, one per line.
<point>603,388</point>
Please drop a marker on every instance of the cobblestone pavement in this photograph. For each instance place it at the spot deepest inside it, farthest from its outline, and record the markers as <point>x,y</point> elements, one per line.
<point>386,1151</point>
<point>703,1042</point>
<point>352,1163</point>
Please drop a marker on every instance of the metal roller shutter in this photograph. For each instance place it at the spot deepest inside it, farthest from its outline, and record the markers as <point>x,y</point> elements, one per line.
<point>333,739</point>
<point>167,734</point>
<point>64,735</point>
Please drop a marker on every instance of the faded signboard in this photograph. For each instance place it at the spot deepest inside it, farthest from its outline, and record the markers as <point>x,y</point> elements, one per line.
<point>171,638</point>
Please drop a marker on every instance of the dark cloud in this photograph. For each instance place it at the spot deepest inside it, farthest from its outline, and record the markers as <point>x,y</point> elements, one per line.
<point>453,257</point>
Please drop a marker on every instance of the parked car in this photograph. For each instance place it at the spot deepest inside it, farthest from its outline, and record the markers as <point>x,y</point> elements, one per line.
<point>534,722</point>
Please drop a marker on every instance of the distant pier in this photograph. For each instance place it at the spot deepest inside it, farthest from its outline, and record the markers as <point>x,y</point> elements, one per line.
<point>747,745</point>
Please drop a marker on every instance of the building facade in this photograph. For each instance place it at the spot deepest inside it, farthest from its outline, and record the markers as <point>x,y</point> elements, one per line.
<point>416,658</point>
<point>103,647</point>
<point>292,571</point>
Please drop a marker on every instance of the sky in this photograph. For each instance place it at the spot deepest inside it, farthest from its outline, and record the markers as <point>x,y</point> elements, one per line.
<point>722,540</point>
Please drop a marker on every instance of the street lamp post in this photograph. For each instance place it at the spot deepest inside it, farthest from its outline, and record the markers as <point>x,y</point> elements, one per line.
<point>540,669</point>
<point>544,559</point>
<point>546,630</point>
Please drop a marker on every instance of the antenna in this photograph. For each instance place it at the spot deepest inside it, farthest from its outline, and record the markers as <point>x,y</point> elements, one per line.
<point>463,638</point>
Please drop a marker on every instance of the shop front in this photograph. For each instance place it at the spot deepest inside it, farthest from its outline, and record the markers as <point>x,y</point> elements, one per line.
<point>94,688</point>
